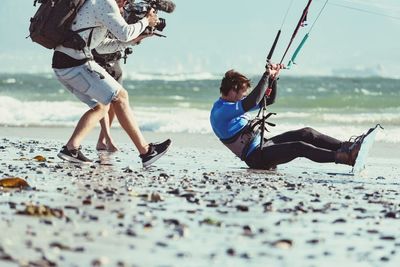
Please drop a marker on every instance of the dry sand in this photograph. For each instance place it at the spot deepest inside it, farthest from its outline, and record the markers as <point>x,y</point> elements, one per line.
<point>198,206</point>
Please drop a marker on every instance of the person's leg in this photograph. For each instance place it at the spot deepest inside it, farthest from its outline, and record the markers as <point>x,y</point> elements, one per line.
<point>101,142</point>
<point>310,136</point>
<point>285,152</point>
<point>105,141</point>
<point>149,153</point>
<point>128,122</point>
<point>86,124</point>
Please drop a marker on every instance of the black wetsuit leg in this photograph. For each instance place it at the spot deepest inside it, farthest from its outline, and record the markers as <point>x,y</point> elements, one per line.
<point>310,136</point>
<point>276,154</point>
<point>305,142</point>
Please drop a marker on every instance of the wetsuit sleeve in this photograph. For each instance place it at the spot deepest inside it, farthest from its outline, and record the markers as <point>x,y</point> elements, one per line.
<point>272,96</point>
<point>254,98</point>
<point>108,14</point>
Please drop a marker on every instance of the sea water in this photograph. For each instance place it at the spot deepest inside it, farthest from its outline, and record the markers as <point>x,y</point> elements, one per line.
<point>181,103</point>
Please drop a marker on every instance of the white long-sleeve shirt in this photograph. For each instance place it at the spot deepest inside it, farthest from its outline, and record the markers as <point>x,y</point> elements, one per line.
<point>105,16</point>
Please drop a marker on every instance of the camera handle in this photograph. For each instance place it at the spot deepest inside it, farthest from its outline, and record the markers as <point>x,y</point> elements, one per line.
<point>127,52</point>
<point>159,35</point>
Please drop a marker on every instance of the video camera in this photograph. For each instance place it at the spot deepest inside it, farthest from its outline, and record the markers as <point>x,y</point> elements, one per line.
<point>137,11</point>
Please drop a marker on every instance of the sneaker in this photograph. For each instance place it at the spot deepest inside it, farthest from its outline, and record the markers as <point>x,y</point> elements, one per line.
<point>73,155</point>
<point>156,150</point>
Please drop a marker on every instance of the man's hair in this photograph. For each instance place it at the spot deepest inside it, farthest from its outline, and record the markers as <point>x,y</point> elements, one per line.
<point>233,80</point>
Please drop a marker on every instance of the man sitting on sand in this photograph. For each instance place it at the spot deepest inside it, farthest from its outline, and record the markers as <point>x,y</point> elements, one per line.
<point>88,81</point>
<point>233,126</point>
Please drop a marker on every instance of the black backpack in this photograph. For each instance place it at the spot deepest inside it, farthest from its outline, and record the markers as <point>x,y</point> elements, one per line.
<point>51,25</point>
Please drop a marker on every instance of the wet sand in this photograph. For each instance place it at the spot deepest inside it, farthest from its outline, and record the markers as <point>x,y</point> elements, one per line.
<point>198,206</point>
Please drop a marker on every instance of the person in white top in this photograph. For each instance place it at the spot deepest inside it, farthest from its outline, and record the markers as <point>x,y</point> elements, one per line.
<point>111,63</point>
<point>88,81</point>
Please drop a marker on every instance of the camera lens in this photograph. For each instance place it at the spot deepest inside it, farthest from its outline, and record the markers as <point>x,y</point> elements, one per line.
<point>161,25</point>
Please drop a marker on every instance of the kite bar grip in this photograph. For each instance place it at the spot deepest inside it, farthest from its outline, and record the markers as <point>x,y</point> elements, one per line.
<point>292,60</point>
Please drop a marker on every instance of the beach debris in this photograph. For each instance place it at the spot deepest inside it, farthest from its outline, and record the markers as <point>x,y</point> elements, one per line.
<point>5,256</point>
<point>231,252</point>
<point>210,221</point>
<point>268,206</point>
<point>174,191</point>
<point>212,204</point>
<point>155,197</point>
<point>127,170</point>
<point>392,215</point>
<point>41,211</point>
<point>242,208</point>
<point>148,225</point>
<point>313,241</point>
<point>61,246</point>
<point>388,238</point>
<point>43,262</point>
<point>130,232</point>
<point>87,201</point>
<point>72,208</point>
<point>247,231</point>
<point>13,182</point>
<point>100,262</point>
<point>190,197</point>
<point>340,220</point>
<point>282,244</point>
<point>180,229</point>
<point>40,158</point>
<point>245,256</point>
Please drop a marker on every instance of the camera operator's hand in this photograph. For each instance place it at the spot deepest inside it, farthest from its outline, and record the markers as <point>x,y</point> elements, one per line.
<point>152,18</point>
<point>274,70</point>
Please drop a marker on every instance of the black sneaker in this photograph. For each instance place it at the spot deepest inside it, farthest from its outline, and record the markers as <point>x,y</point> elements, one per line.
<point>73,155</point>
<point>156,150</point>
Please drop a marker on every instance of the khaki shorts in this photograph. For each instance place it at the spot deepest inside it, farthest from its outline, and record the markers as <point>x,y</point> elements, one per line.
<point>90,83</point>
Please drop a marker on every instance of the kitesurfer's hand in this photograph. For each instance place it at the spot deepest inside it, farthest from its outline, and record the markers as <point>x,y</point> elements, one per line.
<point>152,18</point>
<point>274,70</point>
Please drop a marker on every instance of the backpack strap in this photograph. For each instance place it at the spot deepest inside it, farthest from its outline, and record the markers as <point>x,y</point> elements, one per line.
<point>90,37</point>
<point>90,34</point>
<point>84,29</point>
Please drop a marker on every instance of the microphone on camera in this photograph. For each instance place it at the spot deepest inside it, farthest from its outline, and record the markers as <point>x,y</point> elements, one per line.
<point>163,5</point>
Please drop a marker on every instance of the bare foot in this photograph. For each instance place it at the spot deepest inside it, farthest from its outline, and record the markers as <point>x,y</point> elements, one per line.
<point>111,147</point>
<point>101,146</point>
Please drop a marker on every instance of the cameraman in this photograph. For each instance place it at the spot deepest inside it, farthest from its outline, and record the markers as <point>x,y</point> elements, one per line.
<point>111,62</point>
<point>233,126</point>
<point>88,81</point>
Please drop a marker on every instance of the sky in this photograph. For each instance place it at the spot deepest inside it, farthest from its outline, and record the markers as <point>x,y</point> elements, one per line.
<point>212,36</point>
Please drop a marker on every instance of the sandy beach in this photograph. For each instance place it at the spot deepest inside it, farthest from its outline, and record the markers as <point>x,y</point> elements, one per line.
<point>197,206</point>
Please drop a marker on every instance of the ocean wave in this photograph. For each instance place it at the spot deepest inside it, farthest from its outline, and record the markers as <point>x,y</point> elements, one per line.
<point>39,113</point>
<point>9,81</point>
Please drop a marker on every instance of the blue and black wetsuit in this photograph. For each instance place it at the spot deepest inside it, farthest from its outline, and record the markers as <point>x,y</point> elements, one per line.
<point>228,119</point>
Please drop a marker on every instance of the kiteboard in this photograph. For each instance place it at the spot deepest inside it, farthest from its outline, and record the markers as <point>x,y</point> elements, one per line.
<point>367,142</point>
